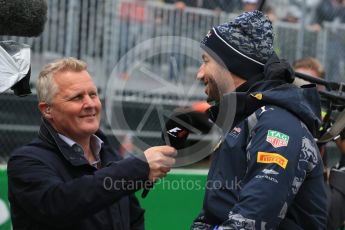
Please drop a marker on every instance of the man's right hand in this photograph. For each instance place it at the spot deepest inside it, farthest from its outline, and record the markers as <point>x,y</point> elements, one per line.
<point>160,160</point>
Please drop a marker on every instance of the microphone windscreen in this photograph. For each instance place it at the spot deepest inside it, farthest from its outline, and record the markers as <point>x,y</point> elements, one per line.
<point>25,18</point>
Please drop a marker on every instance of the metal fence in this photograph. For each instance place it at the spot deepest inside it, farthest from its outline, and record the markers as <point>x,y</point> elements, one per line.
<point>101,32</point>
<point>146,38</point>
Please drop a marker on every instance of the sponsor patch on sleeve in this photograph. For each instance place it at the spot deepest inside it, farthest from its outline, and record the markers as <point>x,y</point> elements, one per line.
<point>269,158</point>
<point>277,139</point>
<point>235,132</point>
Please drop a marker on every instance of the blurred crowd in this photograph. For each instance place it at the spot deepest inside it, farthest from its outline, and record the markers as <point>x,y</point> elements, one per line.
<point>315,12</point>
<point>312,15</point>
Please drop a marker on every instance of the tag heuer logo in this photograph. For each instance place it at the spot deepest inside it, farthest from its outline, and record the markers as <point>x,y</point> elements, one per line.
<point>277,139</point>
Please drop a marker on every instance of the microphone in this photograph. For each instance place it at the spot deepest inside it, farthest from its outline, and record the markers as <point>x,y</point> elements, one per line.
<point>24,18</point>
<point>181,123</point>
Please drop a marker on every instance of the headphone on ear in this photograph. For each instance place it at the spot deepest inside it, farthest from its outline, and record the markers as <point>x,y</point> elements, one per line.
<point>47,110</point>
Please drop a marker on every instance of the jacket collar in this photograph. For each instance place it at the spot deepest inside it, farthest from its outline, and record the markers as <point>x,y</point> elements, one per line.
<point>304,103</point>
<point>244,101</point>
<point>73,154</point>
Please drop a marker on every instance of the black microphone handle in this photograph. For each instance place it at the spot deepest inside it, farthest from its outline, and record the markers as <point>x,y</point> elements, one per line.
<point>150,185</point>
<point>146,191</point>
<point>147,188</point>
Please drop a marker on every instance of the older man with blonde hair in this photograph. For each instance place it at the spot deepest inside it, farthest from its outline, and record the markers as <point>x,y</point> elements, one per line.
<point>69,177</point>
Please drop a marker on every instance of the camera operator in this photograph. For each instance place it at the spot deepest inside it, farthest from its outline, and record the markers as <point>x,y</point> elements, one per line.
<point>335,177</point>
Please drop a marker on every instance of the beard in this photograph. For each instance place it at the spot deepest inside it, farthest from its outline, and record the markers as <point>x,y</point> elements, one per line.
<point>213,91</point>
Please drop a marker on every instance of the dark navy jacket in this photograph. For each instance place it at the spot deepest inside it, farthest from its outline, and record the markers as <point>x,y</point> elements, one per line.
<point>268,173</point>
<point>52,186</point>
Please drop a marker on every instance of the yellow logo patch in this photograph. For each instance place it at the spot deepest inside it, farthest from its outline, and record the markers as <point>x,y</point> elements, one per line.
<point>257,96</point>
<point>267,158</point>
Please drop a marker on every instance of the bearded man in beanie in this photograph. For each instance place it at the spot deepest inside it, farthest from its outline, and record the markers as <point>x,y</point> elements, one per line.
<point>267,173</point>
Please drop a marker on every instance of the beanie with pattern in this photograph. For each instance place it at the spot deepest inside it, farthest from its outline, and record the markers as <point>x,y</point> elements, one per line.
<point>243,45</point>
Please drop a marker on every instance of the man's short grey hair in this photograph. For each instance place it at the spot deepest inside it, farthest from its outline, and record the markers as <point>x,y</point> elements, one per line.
<point>46,86</point>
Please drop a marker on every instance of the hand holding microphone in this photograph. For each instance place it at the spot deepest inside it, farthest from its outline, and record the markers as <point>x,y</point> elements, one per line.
<point>175,134</point>
<point>185,121</point>
<point>160,160</point>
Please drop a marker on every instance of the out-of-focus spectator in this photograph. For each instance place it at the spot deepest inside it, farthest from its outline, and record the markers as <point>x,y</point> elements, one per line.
<point>132,17</point>
<point>293,14</point>
<point>181,5</point>
<point>310,66</point>
<point>309,6</point>
<point>217,5</point>
<point>270,13</point>
<point>249,5</point>
<point>329,11</point>
<point>332,11</point>
<point>223,5</point>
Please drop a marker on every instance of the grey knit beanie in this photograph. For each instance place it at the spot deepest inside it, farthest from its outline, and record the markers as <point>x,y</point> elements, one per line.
<point>244,45</point>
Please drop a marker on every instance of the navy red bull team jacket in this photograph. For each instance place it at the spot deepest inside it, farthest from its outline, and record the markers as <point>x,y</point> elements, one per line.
<point>52,186</point>
<point>268,173</point>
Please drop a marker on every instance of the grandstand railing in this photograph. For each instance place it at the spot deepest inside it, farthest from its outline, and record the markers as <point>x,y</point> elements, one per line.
<point>102,32</point>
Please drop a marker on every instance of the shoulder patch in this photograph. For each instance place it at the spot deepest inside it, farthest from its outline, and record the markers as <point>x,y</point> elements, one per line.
<point>268,158</point>
<point>277,139</point>
<point>235,132</point>
<point>257,96</point>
